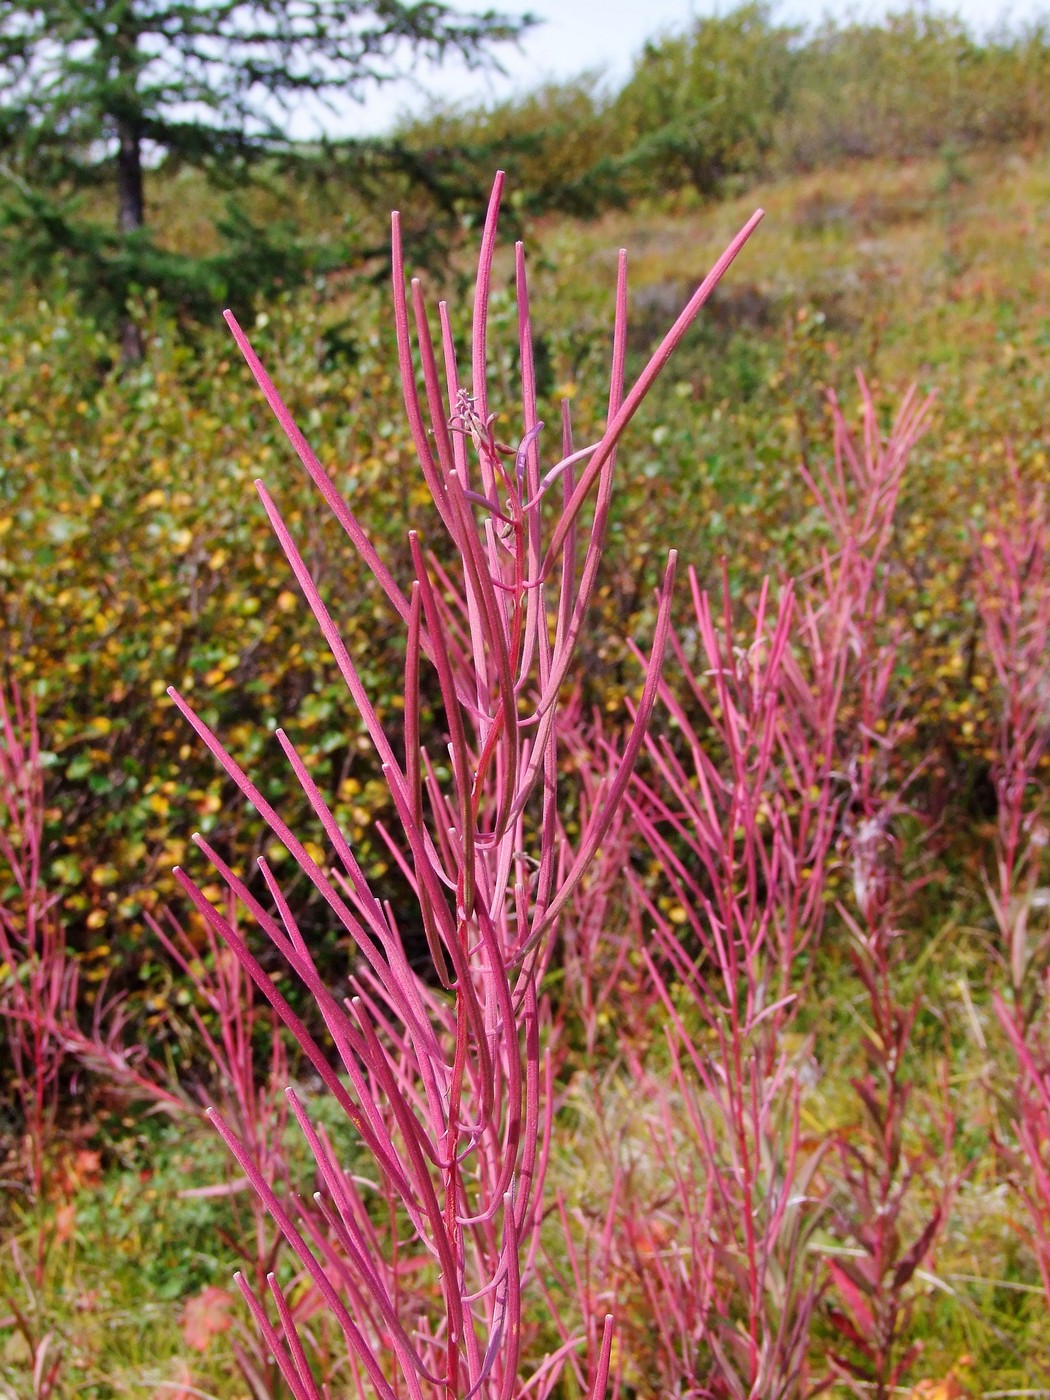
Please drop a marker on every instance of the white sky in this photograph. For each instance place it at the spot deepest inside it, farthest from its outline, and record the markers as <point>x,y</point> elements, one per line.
<point>603,34</point>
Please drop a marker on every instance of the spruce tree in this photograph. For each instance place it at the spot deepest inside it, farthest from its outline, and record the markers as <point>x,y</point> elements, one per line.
<point>95,94</point>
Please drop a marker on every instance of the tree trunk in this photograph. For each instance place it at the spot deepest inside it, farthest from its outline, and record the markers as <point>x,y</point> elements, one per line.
<point>131,207</point>
<point>131,216</point>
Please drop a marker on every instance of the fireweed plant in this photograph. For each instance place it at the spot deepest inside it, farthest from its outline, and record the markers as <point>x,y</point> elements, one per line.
<point>49,1049</point>
<point>1012,575</point>
<point>874,1196</point>
<point>740,814</point>
<point>231,1020</point>
<point>421,1264</point>
<point>35,972</point>
<point>737,808</point>
<point>33,955</point>
<point>1013,594</point>
<point>711,1193</point>
<point>759,785</point>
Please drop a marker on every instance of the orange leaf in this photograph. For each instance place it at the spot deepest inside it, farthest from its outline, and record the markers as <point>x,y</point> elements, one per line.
<point>65,1222</point>
<point>952,1387</point>
<point>205,1316</point>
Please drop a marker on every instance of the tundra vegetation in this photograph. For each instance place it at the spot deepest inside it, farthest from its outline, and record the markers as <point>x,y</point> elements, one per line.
<point>549,894</point>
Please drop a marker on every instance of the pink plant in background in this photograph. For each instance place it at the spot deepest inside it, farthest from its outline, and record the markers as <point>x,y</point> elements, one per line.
<point>34,961</point>
<point>780,764</point>
<point>34,974</point>
<point>603,987</point>
<point>422,1261</point>
<point>1012,579</point>
<point>850,617</point>
<point>1028,1157</point>
<point>1013,595</point>
<point>740,822</point>
<point>38,1012</point>
<point>229,1021</point>
<point>853,639</point>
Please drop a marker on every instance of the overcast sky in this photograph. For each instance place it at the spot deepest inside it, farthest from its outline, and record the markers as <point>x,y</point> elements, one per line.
<point>603,34</point>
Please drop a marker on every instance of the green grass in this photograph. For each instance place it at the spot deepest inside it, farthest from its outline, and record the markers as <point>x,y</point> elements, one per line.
<point>123,1251</point>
